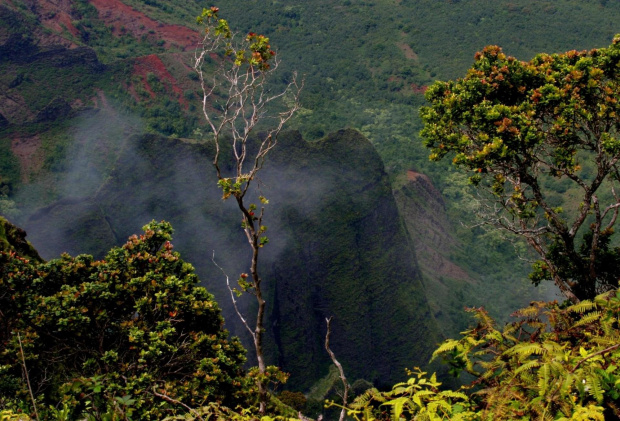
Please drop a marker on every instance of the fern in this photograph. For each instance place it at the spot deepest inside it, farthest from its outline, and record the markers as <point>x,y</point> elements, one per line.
<point>588,319</point>
<point>530,311</point>
<point>524,350</point>
<point>448,346</point>
<point>582,306</point>
<point>594,388</point>
<point>530,365</point>
<point>364,399</point>
<point>544,376</point>
<point>397,406</point>
<point>544,367</point>
<point>452,394</point>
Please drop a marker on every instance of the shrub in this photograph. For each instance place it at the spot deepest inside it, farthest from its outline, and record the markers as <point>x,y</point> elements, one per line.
<point>132,334</point>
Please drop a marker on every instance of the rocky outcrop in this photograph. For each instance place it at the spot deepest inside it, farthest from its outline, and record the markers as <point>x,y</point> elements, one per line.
<point>13,239</point>
<point>423,210</point>
<point>447,284</point>
<point>337,246</point>
<point>60,56</point>
<point>17,47</point>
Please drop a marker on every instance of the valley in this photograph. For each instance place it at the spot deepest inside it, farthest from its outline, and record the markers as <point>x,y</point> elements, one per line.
<point>101,132</point>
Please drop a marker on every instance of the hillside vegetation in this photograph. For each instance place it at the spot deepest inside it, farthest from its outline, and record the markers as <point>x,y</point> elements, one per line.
<point>372,79</point>
<point>82,81</point>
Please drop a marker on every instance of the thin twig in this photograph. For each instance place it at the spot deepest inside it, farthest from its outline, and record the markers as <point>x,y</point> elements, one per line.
<point>340,369</point>
<point>602,351</point>
<point>176,402</point>
<point>232,297</point>
<point>21,350</point>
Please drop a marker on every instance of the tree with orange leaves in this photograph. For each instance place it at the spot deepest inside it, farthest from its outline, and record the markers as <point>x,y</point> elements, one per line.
<point>523,129</point>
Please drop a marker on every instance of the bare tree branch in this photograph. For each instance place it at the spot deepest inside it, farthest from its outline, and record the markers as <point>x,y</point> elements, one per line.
<point>345,384</point>
<point>234,106</point>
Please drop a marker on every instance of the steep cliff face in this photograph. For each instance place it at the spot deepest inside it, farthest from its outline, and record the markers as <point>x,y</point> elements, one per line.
<point>462,266</point>
<point>338,246</point>
<point>420,201</point>
<point>424,214</point>
<point>347,255</point>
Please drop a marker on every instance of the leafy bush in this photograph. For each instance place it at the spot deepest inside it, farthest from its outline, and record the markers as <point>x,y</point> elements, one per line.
<point>553,363</point>
<point>133,334</point>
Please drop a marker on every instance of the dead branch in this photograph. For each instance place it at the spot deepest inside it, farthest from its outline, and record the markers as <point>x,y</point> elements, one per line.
<point>345,384</point>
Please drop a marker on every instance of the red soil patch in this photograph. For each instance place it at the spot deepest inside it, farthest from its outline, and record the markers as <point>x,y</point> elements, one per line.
<point>419,89</point>
<point>118,15</point>
<point>28,151</point>
<point>417,176</point>
<point>153,64</point>
<point>55,15</point>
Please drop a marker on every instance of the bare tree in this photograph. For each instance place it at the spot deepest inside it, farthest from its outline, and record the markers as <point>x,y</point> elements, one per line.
<point>236,103</point>
<point>345,383</point>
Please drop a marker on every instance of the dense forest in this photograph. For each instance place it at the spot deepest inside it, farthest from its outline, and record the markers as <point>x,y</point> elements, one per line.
<point>110,118</point>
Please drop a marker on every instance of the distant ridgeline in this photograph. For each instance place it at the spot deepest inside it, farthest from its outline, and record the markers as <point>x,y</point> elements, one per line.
<point>338,246</point>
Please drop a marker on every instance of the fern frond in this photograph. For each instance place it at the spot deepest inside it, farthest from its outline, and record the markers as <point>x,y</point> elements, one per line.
<point>606,341</point>
<point>524,350</point>
<point>448,346</point>
<point>397,406</point>
<point>593,384</point>
<point>567,384</point>
<point>453,394</point>
<point>529,311</point>
<point>364,399</point>
<point>434,406</point>
<point>418,395</point>
<point>530,365</point>
<point>588,318</point>
<point>544,374</point>
<point>582,306</point>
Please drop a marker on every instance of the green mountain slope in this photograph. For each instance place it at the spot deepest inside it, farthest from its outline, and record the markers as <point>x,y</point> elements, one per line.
<point>79,77</point>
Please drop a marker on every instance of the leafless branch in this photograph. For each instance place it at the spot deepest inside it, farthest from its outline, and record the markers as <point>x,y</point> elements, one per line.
<point>176,402</point>
<point>235,104</point>
<point>340,369</point>
<point>232,296</point>
<point>602,351</point>
<point>21,350</point>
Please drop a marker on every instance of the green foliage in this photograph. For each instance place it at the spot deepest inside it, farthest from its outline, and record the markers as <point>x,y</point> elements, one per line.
<point>215,411</point>
<point>553,363</point>
<point>254,52</point>
<point>9,168</point>
<point>8,415</point>
<point>133,334</point>
<point>514,125</point>
<point>296,400</point>
<point>419,398</point>
<point>346,83</point>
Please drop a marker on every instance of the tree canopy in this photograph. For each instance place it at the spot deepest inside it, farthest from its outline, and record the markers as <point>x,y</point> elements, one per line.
<point>522,127</point>
<point>132,334</point>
